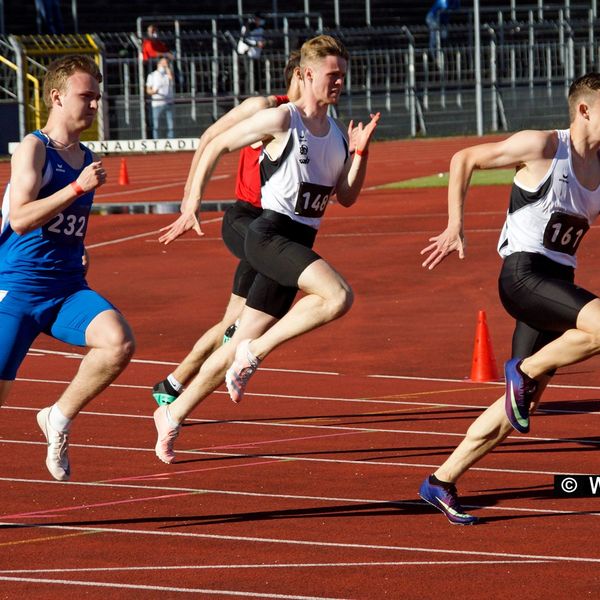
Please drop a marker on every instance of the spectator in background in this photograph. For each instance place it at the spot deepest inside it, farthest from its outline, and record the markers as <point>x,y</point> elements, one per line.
<point>437,20</point>
<point>160,86</point>
<point>252,37</point>
<point>250,45</point>
<point>153,47</point>
<point>49,18</point>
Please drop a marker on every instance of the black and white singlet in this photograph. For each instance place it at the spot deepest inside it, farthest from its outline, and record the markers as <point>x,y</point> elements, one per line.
<point>300,182</point>
<point>552,218</point>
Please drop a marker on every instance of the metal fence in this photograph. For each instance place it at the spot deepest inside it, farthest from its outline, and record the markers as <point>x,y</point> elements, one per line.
<point>528,60</point>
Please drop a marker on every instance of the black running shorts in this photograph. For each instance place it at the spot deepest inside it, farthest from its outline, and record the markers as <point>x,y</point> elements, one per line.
<point>280,248</point>
<point>543,298</point>
<point>268,296</point>
<point>236,220</point>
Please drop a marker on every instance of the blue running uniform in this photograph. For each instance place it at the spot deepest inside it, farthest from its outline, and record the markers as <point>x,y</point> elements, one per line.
<point>42,278</point>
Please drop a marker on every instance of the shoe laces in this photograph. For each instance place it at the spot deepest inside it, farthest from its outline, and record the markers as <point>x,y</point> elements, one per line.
<point>452,495</point>
<point>59,443</point>
<point>245,372</point>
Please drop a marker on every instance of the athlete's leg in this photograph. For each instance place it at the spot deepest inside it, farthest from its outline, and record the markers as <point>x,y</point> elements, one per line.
<point>484,434</point>
<point>253,323</point>
<point>542,293</point>
<point>18,330</point>
<point>236,220</point>
<point>328,297</point>
<point>111,344</point>
<point>209,342</point>
<point>274,300</point>
<point>573,346</point>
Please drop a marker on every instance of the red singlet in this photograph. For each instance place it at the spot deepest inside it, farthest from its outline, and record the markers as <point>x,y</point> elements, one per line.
<point>247,183</point>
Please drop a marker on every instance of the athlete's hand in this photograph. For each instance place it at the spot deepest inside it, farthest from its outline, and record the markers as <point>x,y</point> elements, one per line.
<point>351,135</point>
<point>184,223</point>
<point>447,242</point>
<point>360,136</point>
<point>92,177</point>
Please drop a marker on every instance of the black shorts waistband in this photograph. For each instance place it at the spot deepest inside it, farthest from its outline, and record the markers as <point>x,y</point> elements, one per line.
<point>541,263</point>
<point>247,207</point>
<point>285,220</point>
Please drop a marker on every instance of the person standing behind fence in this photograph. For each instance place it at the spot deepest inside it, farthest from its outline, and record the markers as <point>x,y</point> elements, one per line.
<point>250,45</point>
<point>160,85</point>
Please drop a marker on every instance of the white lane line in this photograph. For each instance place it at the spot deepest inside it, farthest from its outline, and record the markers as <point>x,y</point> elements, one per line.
<point>367,401</point>
<point>151,188</point>
<point>161,588</point>
<point>374,376</point>
<point>154,232</point>
<point>137,190</point>
<point>327,426</point>
<point>161,567</point>
<point>114,485</point>
<point>141,361</point>
<point>315,543</point>
<point>287,458</point>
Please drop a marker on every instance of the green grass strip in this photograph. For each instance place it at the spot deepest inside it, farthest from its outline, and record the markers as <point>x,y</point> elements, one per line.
<point>491,177</point>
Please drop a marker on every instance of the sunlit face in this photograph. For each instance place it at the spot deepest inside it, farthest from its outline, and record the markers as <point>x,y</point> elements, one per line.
<point>326,77</point>
<point>79,101</point>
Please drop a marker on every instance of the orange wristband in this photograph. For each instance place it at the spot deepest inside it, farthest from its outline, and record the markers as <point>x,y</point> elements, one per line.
<point>362,152</point>
<point>78,189</point>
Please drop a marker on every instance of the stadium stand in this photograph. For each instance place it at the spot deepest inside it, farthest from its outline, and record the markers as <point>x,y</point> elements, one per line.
<point>95,16</point>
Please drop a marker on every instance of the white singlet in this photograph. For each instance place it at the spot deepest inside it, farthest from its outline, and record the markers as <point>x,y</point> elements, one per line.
<point>552,218</point>
<point>300,182</point>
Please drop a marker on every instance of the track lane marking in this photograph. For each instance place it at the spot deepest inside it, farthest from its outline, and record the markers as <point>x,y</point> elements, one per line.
<point>162,588</point>
<point>318,543</point>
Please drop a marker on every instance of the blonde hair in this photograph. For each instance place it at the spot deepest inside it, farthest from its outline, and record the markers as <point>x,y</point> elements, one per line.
<point>61,69</point>
<point>321,46</point>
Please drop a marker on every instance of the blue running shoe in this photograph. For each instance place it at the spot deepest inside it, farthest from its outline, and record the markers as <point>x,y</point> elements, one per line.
<point>520,390</point>
<point>445,499</point>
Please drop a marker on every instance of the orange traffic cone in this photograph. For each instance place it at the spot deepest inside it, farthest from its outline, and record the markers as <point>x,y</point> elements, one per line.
<point>123,175</point>
<point>484,364</point>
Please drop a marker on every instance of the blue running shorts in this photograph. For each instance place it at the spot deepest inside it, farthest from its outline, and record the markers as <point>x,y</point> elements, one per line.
<point>25,314</point>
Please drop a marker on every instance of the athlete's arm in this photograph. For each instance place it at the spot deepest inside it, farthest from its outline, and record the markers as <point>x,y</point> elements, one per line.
<point>530,150</point>
<point>353,176</point>
<point>248,108</point>
<point>27,214</point>
<point>265,123</point>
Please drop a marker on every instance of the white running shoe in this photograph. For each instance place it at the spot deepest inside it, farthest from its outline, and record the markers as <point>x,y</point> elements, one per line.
<point>243,367</point>
<point>167,434</point>
<point>57,458</point>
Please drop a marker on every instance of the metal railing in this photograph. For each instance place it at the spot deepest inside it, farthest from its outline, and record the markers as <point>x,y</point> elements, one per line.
<point>526,65</point>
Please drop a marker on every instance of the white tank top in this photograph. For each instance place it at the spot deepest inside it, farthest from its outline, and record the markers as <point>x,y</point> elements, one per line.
<point>300,182</point>
<point>552,218</point>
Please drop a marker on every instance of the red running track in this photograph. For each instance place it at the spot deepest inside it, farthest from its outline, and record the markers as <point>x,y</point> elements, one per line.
<point>308,489</point>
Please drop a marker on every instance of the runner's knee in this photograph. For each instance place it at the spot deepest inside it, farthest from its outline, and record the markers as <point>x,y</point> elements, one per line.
<point>340,302</point>
<point>120,344</point>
